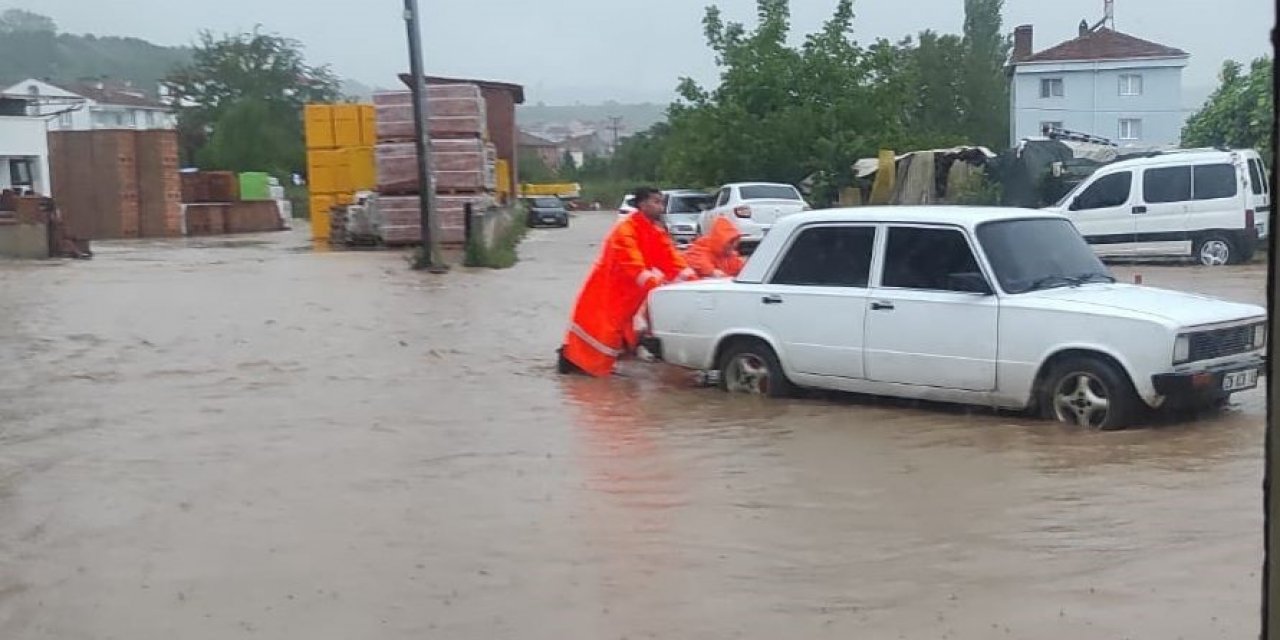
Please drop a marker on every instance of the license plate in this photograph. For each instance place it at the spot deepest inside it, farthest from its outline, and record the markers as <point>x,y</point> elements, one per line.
<point>1240,380</point>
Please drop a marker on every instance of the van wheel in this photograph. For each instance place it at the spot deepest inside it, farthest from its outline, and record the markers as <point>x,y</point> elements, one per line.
<point>751,367</point>
<point>1091,393</point>
<point>1215,250</point>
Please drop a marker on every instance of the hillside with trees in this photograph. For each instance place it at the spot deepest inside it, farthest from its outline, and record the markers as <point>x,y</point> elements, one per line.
<point>32,47</point>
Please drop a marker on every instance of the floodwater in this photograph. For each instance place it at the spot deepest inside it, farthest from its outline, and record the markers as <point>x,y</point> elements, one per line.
<point>250,439</point>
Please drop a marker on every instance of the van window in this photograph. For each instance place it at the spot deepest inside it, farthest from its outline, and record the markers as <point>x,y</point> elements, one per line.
<point>1213,181</point>
<point>1257,182</point>
<point>1107,191</point>
<point>1166,184</point>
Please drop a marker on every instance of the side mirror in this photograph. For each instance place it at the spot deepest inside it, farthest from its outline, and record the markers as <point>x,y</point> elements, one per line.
<point>969,283</point>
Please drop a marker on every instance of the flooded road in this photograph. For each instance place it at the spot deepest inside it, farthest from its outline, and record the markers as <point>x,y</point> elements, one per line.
<point>249,439</point>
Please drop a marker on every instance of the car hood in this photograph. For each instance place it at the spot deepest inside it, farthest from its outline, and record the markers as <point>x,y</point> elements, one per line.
<point>1172,307</point>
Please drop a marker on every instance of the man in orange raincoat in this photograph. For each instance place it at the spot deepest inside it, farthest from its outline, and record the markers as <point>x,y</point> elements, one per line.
<point>637,257</point>
<point>715,255</point>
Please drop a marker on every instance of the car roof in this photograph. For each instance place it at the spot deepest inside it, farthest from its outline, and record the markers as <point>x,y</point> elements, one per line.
<point>1182,156</point>
<point>968,217</point>
<point>758,184</point>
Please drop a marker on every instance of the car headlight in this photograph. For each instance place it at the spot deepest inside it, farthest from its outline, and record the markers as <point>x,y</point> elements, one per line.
<point>1181,349</point>
<point>1259,336</point>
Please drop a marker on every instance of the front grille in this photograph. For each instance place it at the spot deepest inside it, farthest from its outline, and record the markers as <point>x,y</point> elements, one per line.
<point>1218,343</point>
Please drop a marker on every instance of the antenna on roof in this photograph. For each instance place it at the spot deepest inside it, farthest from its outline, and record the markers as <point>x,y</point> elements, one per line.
<point>1108,16</point>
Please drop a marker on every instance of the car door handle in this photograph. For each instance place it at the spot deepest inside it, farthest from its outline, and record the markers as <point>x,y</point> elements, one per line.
<point>774,299</point>
<point>1139,209</point>
<point>882,306</point>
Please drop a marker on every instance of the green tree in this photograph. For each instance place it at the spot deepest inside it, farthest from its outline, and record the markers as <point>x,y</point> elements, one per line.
<point>253,135</point>
<point>532,168</point>
<point>984,90</point>
<point>1238,114</point>
<point>234,76</point>
<point>19,21</point>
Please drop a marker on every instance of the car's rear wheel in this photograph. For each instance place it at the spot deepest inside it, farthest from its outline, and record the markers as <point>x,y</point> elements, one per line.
<point>751,367</point>
<point>1215,250</point>
<point>1089,392</point>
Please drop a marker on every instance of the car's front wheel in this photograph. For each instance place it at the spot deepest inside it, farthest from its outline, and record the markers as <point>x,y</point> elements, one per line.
<point>751,367</point>
<point>1089,392</point>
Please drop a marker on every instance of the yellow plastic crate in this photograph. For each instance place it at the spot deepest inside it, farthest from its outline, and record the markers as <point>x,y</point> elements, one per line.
<point>346,125</point>
<point>320,206</point>
<point>318,123</point>
<point>368,126</point>
<point>323,171</point>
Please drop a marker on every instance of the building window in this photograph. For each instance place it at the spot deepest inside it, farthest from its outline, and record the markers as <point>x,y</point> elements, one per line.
<point>1045,127</point>
<point>64,121</point>
<point>1051,88</point>
<point>1130,84</point>
<point>1130,129</point>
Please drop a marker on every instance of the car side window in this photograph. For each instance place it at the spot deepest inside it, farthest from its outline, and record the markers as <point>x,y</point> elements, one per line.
<point>723,198</point>
<point>1107,191</point>
<point>1166,184</point>
<point>931,259</point>
<point>828,257</point>
<point>1256,181</point>
<point>1214,181</point>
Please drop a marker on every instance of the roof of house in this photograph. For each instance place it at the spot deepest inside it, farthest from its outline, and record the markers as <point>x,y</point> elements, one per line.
<point>515,89</point>
<point>111,93</point>
<point>530,140</point>
<point>1105,44</point>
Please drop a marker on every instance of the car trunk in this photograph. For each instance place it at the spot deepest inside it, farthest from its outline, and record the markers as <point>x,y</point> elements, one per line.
<point>769,211</point>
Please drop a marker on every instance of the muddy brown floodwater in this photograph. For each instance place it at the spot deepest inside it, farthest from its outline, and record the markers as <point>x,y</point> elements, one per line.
<point>247,438</point>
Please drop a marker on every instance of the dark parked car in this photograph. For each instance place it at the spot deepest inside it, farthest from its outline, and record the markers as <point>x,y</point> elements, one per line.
<point>547,211</point>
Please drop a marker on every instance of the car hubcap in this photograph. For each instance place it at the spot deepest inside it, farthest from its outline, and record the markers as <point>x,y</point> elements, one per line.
<point>1214,253</point>
<point>1081,399</point>
<point>748,373</point>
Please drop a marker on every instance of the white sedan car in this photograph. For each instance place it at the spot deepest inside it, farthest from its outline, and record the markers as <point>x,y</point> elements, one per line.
<point>755,207</point>
<point>1005,308</point>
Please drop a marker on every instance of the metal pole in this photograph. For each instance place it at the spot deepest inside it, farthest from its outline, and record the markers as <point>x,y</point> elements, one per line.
<point>427,255</point>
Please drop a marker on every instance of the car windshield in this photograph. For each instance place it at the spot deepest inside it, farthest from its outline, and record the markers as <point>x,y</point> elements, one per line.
<point>769,192</point>
<point>695,203</point>
<point>1028,255</point>
<point>546,203</point>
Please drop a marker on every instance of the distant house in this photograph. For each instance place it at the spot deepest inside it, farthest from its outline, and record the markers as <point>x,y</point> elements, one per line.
<point>93,104</point>
<point>1104,83</point>
<point>587,145</point>
<point>549,152</point>
<point>24,149</point>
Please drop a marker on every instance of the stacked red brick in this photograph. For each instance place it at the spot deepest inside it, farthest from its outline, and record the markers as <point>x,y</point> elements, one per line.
<point>213,206</point>
<point>117,184</point>
<point>462,161</point>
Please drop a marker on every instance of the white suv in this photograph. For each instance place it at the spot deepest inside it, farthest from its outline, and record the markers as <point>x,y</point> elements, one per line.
<point>754,207</point>
<point>1000,307</point>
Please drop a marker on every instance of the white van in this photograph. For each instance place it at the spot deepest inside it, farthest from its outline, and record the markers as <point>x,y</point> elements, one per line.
<point>1212,204</point>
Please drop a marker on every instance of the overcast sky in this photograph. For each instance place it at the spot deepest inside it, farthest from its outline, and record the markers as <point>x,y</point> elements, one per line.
<point>593,50</point>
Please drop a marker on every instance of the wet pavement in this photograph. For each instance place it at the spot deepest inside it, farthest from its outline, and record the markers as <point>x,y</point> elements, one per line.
<point>246,438</point>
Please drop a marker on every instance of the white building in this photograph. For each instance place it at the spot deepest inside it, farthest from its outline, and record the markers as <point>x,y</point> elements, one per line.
<point>85,106</point>
<point>1103,83</point>
<point>24,149</point>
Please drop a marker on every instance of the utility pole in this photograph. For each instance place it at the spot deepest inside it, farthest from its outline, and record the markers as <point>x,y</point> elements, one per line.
<point>615,125</point>
<point>428,255</point>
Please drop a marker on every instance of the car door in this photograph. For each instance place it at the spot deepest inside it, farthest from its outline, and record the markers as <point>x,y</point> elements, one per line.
<point>718,209</point>
<point>1161,220</point>
<point>1103,212</point>
<point>1259,194</point>
<point>931,321</point>
<point>815,299</point>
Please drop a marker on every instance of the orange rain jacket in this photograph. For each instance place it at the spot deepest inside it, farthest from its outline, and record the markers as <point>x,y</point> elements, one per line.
<point>713,255</point>
<point>637,257</point>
